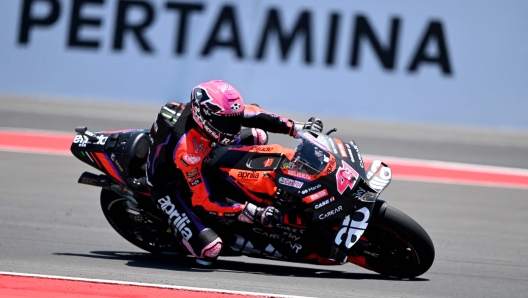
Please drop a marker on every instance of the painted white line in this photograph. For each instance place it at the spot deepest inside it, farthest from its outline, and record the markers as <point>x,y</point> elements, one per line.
<point>448,165</point>
<point>116,282</point>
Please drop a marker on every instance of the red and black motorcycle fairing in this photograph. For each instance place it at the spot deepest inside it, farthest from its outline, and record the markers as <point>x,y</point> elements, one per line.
<point>119,154</point>
<point>324,214</point>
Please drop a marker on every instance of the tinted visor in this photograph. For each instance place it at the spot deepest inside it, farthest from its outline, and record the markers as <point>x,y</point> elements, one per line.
<point>231,124</point>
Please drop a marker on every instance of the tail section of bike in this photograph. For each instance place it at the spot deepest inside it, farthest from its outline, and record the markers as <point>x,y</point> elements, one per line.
<point>121,155</point>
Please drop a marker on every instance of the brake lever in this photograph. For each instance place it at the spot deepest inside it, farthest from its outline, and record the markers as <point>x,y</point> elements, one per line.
<point>331,131</point>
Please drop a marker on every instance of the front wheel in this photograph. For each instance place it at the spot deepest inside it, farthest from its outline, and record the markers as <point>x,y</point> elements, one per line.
<point>394,245</point>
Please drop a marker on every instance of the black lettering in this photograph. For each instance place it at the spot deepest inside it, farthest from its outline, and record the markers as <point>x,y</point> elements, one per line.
<point>226,17</point>
<point>137,29</point>
<point>185,10</point>
<point>333,31</point>
<point>434,32</point>
<point>364,30</point>
<point>273,25</point>
<point>28,20</point>
<point>77,21</point>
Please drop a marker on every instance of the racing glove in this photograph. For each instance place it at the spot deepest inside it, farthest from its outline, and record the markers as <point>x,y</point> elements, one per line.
<point>313,123</point>
<point>265,216</point>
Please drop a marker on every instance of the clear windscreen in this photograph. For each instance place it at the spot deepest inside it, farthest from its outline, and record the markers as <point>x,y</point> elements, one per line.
<point>310,156</point>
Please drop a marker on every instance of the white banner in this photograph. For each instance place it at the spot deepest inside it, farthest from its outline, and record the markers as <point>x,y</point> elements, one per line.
<point>457,62</point>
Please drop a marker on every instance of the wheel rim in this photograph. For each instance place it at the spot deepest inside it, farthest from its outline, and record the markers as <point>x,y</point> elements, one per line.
<point>386,252</point>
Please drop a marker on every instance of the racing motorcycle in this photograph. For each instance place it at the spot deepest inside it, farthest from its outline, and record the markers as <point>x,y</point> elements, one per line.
<point>330,205</point>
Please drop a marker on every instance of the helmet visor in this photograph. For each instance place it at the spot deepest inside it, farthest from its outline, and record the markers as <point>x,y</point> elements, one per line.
<point>230,124</point>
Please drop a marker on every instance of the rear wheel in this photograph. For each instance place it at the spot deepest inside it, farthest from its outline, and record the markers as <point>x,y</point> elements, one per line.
<point>395,245</point>
<point>133,225</point>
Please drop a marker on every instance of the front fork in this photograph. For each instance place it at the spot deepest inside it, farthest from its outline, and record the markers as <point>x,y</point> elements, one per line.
<point>354,225</point>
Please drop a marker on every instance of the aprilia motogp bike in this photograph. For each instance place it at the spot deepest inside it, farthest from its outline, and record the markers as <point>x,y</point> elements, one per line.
<point>330,205</point>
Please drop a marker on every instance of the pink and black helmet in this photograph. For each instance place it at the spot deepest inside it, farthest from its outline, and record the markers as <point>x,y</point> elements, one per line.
<point>218,109</point>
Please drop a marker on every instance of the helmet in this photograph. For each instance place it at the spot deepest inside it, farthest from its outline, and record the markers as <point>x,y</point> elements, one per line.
<point>218,109</point>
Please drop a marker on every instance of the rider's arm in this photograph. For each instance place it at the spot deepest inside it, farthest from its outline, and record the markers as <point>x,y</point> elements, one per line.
<point>256,117</point>
<point>188,156</point>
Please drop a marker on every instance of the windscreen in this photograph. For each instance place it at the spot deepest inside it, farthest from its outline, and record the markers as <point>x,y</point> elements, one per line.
<point>310,156</point>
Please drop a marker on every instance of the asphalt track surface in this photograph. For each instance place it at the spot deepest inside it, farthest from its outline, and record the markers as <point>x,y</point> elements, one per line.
<point>52,225</point>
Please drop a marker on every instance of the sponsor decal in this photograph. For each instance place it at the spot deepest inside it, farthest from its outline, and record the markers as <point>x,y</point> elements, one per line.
<point>268,162</point>
<point>349,150</point>
<point>213,213</point>
<point>192,172</point>
<point>332,145</point>
<point>310,189</point>
<point>248,175</point>
<point>261,149</point>
<point>195,182</point>
<point>289,229</point>
<point>113,158</point>
<point>331,212</point>
<point>196,176</point>
<point>183,162</point>
<point>235,107</point>
<point>197,148</point>
<point>300,175</point>
<point>210,131</point>
<point>177,220</point>
<point>83,140</point>
<point>191,159</point>
<point>360,191</point>
<point>341,148</point>
<point>358,154</point>
<point>346,177</point>
<point>353,229</point>
<point>331,166</point>
<point>224,21</point>
<point>290,182</point>
<point>316,196</point>
<point>285,240</point>
<point>226,141</point>
<point>323,203</point>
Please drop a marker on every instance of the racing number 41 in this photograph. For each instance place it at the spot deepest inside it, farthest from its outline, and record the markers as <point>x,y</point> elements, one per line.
<point>346,177</point>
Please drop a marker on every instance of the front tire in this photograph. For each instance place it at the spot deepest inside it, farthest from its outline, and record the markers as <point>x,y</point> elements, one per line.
<point>394,245</point>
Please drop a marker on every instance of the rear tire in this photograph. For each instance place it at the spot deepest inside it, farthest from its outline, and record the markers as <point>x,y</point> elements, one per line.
<point>395,245</point>
<point>132,227</point>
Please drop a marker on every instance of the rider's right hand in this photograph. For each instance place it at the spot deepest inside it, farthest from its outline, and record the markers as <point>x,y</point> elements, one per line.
<point>313,123</point>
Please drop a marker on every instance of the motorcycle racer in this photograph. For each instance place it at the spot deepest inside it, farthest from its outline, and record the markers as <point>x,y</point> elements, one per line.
<point>182,137</point>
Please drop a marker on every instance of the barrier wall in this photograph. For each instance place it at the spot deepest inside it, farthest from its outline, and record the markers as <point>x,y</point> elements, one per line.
<point>457,62</point>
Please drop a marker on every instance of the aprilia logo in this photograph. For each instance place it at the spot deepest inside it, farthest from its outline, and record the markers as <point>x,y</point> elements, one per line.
<point>248,175</point>
<point>176,220</point>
